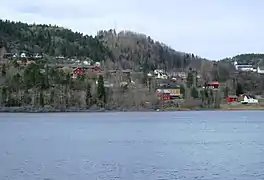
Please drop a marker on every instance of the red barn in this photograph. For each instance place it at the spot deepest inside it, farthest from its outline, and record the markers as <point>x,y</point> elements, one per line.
<point>77,71</point>
<point>230,99</point>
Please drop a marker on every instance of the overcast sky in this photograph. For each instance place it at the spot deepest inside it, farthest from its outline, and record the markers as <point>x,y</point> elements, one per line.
<point>213,29</point>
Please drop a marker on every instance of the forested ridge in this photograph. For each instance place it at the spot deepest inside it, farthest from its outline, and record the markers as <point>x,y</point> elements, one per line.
<point>51,40</point>
<point>126,50</point>
<point>141,52</point>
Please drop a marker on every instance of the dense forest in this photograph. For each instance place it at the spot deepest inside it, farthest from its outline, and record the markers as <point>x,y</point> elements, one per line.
<point>51,40</point>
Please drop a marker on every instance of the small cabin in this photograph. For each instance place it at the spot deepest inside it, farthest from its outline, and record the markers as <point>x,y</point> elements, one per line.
<point>249,99</point>
<point>213,84</point>
<point>163,94</point>
<point>77,71</point>
<point>230,99</point>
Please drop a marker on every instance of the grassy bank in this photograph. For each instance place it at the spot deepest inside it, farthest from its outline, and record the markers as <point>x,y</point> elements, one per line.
<point>238,106</point>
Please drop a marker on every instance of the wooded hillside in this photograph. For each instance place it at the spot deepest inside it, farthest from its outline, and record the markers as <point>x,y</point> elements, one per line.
<point>141,52</point>
<point>51,40</point>
<point>126,50</point>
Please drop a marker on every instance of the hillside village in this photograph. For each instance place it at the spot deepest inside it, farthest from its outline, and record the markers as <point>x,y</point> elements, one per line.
<point>119,73</point>
<point>168,87</point>
<point>248,68</point>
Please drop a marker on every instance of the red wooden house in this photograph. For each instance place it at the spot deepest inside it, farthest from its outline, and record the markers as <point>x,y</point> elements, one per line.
<point>163,94</point>
<point>77,71</point>
<point>230,99</point>
<point>213,84</point>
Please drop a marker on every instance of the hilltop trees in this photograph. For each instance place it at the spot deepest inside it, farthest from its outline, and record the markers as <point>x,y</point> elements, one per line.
<point>51,40</point>
<point>141,53</point>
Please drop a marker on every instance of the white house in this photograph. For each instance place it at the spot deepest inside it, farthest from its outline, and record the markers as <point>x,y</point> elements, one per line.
<point>97,64</point>
<point>23,55</point>
<point>59,57</point>
<point>38,56</point>
<point>248,99</point>
<point>260,71</point>
<point>160,74</point>
<point>243,67</point>
<point>106,84</point>
<point>87,63</point>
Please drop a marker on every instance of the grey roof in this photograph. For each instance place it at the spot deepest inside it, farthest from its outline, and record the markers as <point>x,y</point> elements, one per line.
<point>244,66</point>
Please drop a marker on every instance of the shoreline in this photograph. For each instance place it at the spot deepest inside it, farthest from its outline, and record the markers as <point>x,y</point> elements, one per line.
<point>96,110</point>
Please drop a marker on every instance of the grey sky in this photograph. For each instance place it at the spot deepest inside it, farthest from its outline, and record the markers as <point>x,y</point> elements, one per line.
<point>213,29</point>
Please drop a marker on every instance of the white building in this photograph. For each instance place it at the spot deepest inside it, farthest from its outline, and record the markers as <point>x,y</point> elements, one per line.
<point>87,63</point>
<point>244,67</point>
<point>260,71</point>
<point>149,74</point>
<point>38,56</point>
<point>23,55</point>
<point>97,64</point>
<point>249,100</point>
<point>160,74</point>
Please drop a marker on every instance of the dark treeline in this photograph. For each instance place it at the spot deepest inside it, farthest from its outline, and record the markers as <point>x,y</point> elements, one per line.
<point>51,40</point>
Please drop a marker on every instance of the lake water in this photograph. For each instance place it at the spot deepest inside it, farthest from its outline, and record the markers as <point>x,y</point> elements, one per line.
<point>132,146</point>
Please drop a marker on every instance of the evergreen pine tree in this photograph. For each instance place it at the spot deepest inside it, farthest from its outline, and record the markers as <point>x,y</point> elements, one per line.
<point>194,93</point>
<point>190,80</point>
<point>182,91</point>
<point>3,70</point>
<point>88,96</point>
<point>239,89</point>
<point>101,91</point>
<point>41,99</point>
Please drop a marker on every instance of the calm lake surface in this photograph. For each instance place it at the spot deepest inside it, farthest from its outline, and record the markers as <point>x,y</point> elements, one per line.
<point>134,146</point>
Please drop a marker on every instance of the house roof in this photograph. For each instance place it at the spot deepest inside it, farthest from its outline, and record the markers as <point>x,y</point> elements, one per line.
<point>213,83</point>
<point>244,66</point>
<point>232,96</point>
<point>250,96</point>
<point>163,91</point>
